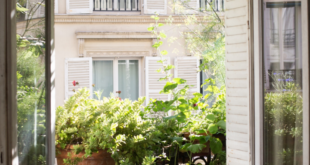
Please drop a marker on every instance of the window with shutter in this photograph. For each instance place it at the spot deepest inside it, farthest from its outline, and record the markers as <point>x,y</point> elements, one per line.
<point>187,68</point>
<point>79,6</point>
<point>188,7</point>
<point>80,71</point>
<point>152,83</point>
<point>155,6</point>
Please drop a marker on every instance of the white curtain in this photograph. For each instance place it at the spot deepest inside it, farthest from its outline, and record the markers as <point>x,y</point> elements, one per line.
<point>103,77</point>
<point>128,79</point>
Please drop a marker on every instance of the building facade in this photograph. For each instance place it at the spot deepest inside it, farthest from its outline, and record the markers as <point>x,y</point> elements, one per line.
<point>105,45</point>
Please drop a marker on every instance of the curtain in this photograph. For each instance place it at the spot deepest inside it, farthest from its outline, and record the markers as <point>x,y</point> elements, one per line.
<point>128,79</point>
<point>103,78</point>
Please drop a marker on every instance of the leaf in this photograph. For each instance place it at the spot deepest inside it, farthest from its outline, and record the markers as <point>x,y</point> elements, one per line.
<point>180,117</point>
<point>169,67</point>
<point>195,148</point>
<point>215,145</point>
<point>213,128</point>
<point>179,81</point>
<point>199,95</point>
<point>211,117</point>
<point>160,24</point>
<point>162,35</point>
<point>178,139</point>
<point>150,28</point>
<point>222,124</point>
<point>164,52</point>
<point>184,147</point>
<point>169,86</point>
<point>202,139</point>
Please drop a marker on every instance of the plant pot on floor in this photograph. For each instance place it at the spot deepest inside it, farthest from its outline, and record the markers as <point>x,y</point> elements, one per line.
<point>100,158</point>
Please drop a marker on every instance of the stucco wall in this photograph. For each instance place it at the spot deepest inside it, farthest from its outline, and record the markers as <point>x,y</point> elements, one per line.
<point>67,44</point>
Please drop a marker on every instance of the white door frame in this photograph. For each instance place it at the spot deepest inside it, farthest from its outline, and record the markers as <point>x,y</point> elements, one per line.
<point>258,78</point>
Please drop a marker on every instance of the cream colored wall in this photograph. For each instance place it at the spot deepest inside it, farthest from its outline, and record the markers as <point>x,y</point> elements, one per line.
<point>66,45</point>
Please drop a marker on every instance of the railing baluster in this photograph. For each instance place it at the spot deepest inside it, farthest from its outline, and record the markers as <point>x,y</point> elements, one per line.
<point>98,5</point>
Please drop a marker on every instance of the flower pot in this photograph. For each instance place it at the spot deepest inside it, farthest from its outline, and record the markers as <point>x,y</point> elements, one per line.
<point>100,158</point>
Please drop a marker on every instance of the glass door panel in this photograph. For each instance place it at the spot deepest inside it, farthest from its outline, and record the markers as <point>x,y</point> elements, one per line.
<point>31,84</point>
<point>103,78</point>
<point>128,79</point>
<point>283,90</point>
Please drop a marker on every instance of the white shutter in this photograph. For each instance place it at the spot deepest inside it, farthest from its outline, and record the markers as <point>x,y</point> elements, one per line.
<point>187,68</point>
<point>155,6</point>
<point>190,6</point>
<point>79,6</point>
<point>79,70</point>
<point>237,83</point>
<point>36,8</point>
<point>152,85</point>
<point>56,6</point>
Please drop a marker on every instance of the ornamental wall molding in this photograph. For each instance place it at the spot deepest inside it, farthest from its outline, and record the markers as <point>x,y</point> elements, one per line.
<point>120,19</point>
<point>84,35</point>
<point>114,35</point>
<point>117,53</point>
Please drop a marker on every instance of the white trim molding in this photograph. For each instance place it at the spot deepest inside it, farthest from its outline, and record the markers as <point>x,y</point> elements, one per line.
<point>114,35</point>
<point>123,19</point>
<point>117,53</point>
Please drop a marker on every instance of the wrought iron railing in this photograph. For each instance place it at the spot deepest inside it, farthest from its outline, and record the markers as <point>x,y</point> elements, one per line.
<point>217,5</point>
<point>116,5</point>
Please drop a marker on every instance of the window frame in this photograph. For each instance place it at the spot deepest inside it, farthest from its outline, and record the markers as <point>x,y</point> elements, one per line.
<point>115,70</point>
<point>258,81</point>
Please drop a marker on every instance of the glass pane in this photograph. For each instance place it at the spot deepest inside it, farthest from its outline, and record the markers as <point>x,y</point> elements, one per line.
<point>97,4</point>
<point>103,78</point>
<point>128,79</point>
<point>283,84</point>
<point>103,5</point>
<point>122,2</point>
<point>31,83</point>
<point>128,4</point>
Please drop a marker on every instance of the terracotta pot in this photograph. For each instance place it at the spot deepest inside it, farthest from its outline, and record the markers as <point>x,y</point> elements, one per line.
<point>100,158</point>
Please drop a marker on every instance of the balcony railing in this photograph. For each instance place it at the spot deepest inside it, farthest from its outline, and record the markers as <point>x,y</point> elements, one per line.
<point>116,5</point>
<point>217,5</point>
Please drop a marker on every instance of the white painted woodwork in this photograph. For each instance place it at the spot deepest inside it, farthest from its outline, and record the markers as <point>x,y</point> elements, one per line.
<point>56,6</point>
<point>237,82</point>
<point>80,70</point>
<point>190,6</point>
<point>79,6</point>
<point>187,68</point>
<point>152,84</point>
<point>155,6</point>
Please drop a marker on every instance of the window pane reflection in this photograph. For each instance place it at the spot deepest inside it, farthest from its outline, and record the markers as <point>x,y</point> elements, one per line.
<point>128,79</point>
<point>283,83</point>
<point>31,87</point>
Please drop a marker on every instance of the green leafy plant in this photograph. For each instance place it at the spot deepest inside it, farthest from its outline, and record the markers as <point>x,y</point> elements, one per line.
<point>210,122</point>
